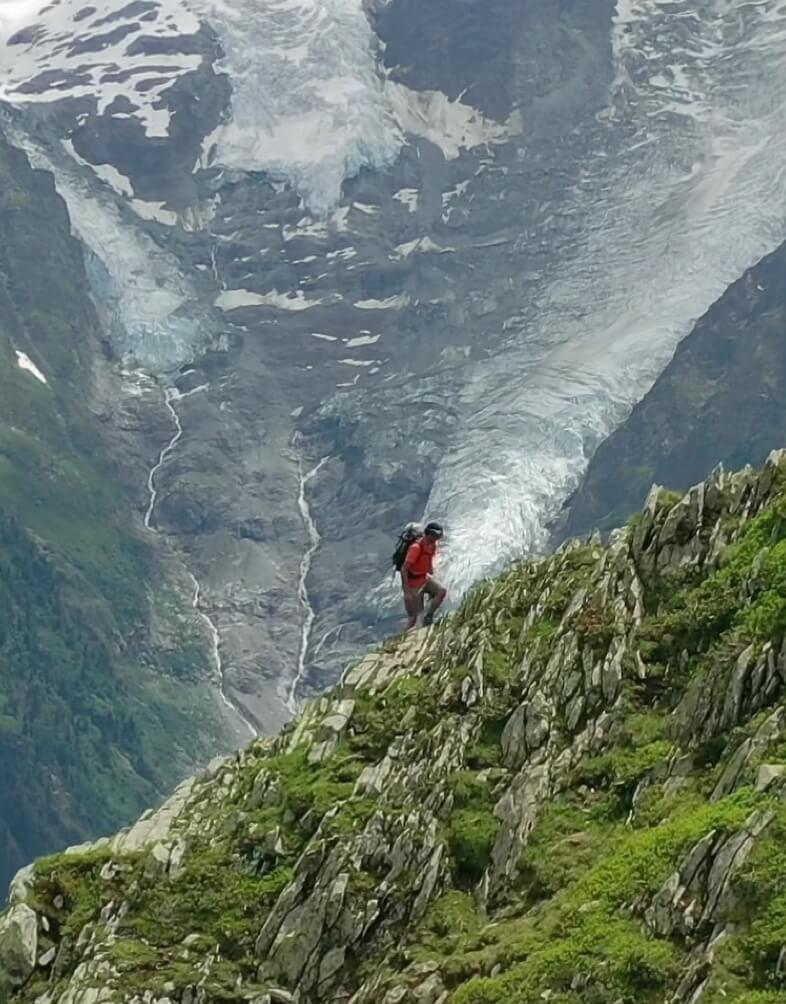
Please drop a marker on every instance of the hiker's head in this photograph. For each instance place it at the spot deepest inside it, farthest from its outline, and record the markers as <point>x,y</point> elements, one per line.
<point>434,532</point>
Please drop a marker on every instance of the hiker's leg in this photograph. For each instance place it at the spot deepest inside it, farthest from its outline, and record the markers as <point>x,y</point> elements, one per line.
<point>438,595</point>
<point>413,604</point>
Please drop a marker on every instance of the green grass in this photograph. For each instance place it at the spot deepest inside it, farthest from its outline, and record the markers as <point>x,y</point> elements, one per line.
<point>215,896</point>
<point>472,827</point>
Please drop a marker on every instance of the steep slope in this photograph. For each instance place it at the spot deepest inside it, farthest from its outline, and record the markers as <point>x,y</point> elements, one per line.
<point>103,668</point>
<point>720,400</point>
<point>571,790</point>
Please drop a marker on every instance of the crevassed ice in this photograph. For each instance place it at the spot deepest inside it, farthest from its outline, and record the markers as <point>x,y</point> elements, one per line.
<point>148,307</point>
<point>308,101</point>
<point>686,190</point>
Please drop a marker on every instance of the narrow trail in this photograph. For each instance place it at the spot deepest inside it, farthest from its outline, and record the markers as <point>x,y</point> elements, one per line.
<point>305,567</point>
<point>171,396</point>
<point>215,636</point>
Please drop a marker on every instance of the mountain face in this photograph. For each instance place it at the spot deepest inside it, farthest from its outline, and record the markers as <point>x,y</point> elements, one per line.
<point>106,678</point>
<point>570,790</point>
<point>719,400</point>
<point>365,261</point>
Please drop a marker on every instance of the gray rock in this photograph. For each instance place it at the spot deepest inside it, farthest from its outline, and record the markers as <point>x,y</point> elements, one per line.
<point>768,774</point>
<point>19,943</point>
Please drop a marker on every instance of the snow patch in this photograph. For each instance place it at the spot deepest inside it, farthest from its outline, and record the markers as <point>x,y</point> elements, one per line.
<point>409,197</point>
<point>391,303</point>
<point>110,175</point>
<point>354,343</point>
<point>232,299</point>
<point>450,125</point>
<point>154,212</point>
<point>420,244</point>
<point>62,53</point>
<point>344,253</point>
<point>26,363</point>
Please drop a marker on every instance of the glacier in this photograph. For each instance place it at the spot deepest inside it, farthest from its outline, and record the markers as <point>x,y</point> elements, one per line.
<point>311,106</point>
<point>148,307</point>
<point>682,188</point>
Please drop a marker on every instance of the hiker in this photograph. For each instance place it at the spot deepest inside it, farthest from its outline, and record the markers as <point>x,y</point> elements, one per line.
<point>417,578</point>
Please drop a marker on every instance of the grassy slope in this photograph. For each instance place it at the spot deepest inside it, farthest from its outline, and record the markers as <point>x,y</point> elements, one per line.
<point>91,715</point>
<point>570,929</point>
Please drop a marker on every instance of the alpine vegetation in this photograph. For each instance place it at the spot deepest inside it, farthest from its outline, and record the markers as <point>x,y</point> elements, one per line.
<point>570,790</point>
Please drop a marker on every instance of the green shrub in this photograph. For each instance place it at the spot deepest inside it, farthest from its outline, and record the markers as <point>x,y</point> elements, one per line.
<point>75,878</point>
<point>611,956</point>
<point>471,838</point>
<point>623,767</point>
<point>378,718</point>
<point>215,895</point>
<point>472,828</point>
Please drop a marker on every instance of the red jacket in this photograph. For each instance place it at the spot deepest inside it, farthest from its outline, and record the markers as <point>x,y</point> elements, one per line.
<point>419,562</point>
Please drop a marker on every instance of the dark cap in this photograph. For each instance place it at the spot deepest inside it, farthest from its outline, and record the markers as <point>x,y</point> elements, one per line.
<point>434,530</point>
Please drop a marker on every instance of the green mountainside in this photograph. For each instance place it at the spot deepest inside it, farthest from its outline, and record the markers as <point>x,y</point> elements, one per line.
<point>97,709</point>
<point>573,790</point>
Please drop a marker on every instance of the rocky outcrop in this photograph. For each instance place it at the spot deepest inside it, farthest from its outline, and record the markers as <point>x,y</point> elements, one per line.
<point>540,795</point>
<point>19,943</point>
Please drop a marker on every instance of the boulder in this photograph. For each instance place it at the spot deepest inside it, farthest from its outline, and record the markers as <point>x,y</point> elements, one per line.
<point>19,943</point>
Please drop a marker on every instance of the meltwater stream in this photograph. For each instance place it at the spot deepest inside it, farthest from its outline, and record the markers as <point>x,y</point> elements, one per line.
<point>682,187</point>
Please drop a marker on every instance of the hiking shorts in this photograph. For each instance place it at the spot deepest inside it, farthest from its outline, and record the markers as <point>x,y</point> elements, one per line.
<point>430,587</point>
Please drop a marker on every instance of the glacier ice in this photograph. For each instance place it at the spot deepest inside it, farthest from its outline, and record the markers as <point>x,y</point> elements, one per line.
<point>685,190</point>
<point>311,105</point>
<point>148,307</point>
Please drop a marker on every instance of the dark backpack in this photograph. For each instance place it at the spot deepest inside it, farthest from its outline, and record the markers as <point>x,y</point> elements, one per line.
<point>412,532</point>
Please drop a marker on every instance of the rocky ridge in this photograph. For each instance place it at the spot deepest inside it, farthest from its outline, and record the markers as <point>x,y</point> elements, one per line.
<point>570,790</point>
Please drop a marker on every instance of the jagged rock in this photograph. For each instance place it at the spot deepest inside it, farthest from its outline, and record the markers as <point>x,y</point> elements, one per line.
<point>736,769</point>
<point>430,991</point>
<point>46,958</point>
<point>694,895</point>
<point>768,774</point>
<point>517,811</point>
<point>21,885</point>
<point>19,943</point>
